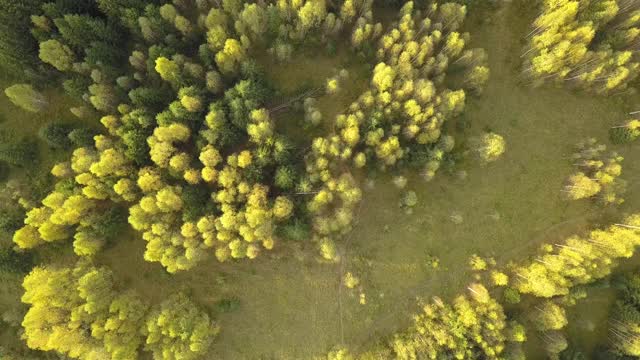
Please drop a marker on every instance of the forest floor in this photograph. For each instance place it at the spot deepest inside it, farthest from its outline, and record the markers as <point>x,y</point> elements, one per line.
<point>292,307</point>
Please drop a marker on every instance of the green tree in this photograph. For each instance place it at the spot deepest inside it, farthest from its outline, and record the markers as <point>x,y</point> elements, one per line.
<point>64,302</point>
<point>549,316</point>
<point>465,329</point>
<point>581,186</point>
<point>178,329</point>
<point>18,48</point>
<point>56,135</point>
<point>57,55</point>
<point>26,97</point>
<point>490,147</point>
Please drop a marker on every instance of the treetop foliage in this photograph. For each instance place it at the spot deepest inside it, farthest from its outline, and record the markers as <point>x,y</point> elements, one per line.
<point>589,44</point>
<point>191,147</point>
<point>193,152</point>
<point>597,174</point>
<point>80,313</point>
<point>579,260</point>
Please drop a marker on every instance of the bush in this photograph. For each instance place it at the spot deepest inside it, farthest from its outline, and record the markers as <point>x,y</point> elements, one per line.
<point>511,295</point>
<point>137,146</point>
<point>26,97</point>
<point>622,135</point>
<point>285,177</point>
<point>39,184</point>
<point>296,230</point>
<point>227,305</point>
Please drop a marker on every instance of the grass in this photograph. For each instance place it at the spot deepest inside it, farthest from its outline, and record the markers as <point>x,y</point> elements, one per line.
<point>293,307</point>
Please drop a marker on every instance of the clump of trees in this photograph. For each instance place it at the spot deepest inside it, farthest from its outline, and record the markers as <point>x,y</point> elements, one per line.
<point>62,135</point>
<point>472,326</point>
<point>192,157</point>
<point>585,44</point>
<point>190,148</point>
<point>177,329</point>
<point>403,111</point>
<point>18,151</point>
<point>597,174</point>
<point>18,49</point>
<point>79,312</point>
<point>578,260</point>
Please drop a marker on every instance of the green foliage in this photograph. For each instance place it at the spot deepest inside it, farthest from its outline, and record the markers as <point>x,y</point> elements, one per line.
<point>511,295</point>
<point>83,30</point>
<point>575,42</point>
<point>19,153</point>
<point>625,133</point>
<point>549,316</point>
<point>285,177</point>
<point>223,186</point>
<point>598,174</point>
<point>296,230</point>
<point>244,97</point>
<point>5,172</point>
<point>56,135</point>
<point>579,260</point>
<point>12,261</point>
<point>467,328</point>
<point>624,317</point>
<point>178,329</point>
<point>76,87</point>
<point>18,49</point>
<point>490,147</point>
<point>26,97</point>
<point>63,302</point>
<point>81,137</point>
<point>109,224</point>
<point>10,219</point>
<point>56,54</point>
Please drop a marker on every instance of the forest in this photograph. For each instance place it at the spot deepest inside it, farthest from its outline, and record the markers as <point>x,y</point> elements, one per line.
<point>319,179</point>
